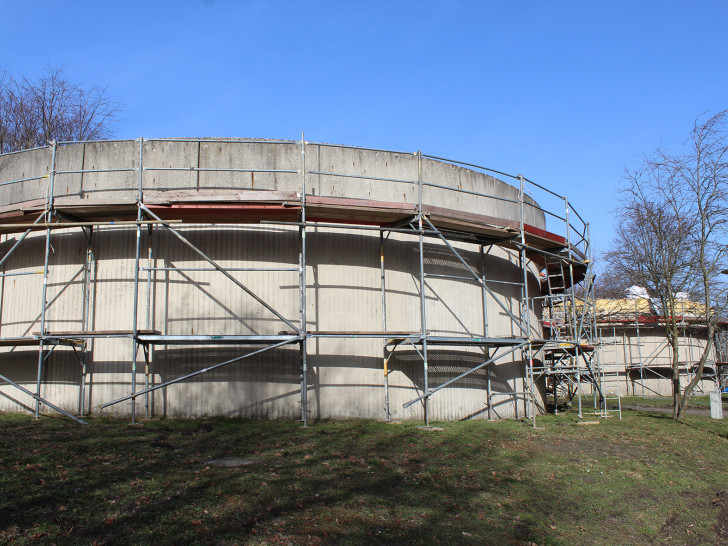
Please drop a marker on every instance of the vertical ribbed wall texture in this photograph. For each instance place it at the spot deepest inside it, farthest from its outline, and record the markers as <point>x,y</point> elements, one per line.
<point>180,295</point>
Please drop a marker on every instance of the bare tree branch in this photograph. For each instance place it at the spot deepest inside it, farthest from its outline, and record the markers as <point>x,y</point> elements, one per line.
<point>36,112</point>
<point>671,236</point>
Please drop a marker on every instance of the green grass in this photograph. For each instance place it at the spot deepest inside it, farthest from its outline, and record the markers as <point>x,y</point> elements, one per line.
<point>643,480</point>
<point>696,402</point>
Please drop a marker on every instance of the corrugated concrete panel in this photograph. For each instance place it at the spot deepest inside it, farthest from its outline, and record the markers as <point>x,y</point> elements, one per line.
<point>343,293</point>
<point>111,170</point>
<point>111,167</point>
<point>22,166</point>
<point>69,177</point>
<point>264,162</point>
<point>345,172</point>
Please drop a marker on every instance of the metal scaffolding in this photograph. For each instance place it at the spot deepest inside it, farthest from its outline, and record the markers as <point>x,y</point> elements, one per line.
<point>556,354</point>
<point>639,361</point>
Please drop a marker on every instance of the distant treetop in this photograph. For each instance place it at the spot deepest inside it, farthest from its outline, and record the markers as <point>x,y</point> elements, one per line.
<point>34,112</point>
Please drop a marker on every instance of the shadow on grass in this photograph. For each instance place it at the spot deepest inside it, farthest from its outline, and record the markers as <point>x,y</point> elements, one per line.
<point>359,482</point>
<point>702,424</point>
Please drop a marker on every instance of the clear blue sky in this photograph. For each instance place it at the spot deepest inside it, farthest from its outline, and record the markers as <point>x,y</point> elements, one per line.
<point>568,94</point>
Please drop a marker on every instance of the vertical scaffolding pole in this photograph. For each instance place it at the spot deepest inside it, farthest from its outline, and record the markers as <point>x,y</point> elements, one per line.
<point>574,328</point>
<point>571,298</point>
<point>578,389</point>
<point>484,295</point>
<point>522,302</point>
<point>86,320</point>
<point>44,302</point>
<point>627,359</point>
<point>302,289</point>
<point>135,328</point>
<point>2,291</point>
<point>423,303</point>
<point>639,349</point>
<point>592,334</point>
<point>574,337</point>
<point>44,297</point>
<point>387,413</point>
<point>148,349</point>
<point>483,292</point>
<point>530,405</point>
<point>590,271</point>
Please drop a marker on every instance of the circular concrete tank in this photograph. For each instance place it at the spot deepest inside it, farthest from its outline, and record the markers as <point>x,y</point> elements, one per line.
<point>221,278</point>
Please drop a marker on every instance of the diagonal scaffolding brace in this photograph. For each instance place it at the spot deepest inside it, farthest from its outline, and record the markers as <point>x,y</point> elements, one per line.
<point>41,400</point>
<point>473,273</point>
<point>134,395</point>
<point>464,374</point>
<point>220,268</point>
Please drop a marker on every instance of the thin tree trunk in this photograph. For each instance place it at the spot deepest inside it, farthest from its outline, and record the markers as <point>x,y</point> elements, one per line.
<point>699,372</point>
<point>676,401</point>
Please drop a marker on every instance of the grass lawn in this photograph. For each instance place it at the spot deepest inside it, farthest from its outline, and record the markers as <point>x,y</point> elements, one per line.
<point>644,479</point>
<point>696,402</point>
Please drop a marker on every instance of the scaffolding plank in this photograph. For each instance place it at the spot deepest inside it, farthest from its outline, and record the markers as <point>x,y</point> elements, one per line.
<point>19,341</point>
<point>86,334</point>
<point>252,206</point>
<point>161,197</point>
<point>353,211</point>
<point>33,206</point>
<point>160,339</point>
<point>569,349</point>
<point>463,341</point>
<point>223,213</point>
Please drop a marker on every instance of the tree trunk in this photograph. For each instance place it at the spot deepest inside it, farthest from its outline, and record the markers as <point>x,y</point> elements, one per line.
<point>676,409</point>
<point>672,336</point>
<point>699,372</point>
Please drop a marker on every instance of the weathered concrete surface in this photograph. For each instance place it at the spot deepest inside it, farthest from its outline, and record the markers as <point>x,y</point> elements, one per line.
<point>109,171</point>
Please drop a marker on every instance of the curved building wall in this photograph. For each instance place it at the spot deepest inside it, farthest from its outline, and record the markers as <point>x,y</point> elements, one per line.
<point>91,284</point>
<point>641,360</point>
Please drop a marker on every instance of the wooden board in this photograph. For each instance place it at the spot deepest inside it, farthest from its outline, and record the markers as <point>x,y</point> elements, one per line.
<point>157,197</point>
<point>248,206</point>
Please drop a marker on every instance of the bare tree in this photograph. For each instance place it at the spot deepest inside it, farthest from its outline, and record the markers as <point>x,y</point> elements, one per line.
<point>607,283</point>
<point>653,249</point>
<point>671,236</point>
<point>35,112</point>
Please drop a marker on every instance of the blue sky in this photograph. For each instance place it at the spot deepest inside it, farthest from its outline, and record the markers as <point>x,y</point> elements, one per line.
<point>568,94</point>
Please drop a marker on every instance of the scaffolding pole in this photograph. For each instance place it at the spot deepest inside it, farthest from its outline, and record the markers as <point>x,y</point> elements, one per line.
<point>302,290</point>
<point>149,321</point>
<point>135,312</point>
<point>86,320</point>
<point>385,362</point>
<point>44,297</point>
<point>423,301</point>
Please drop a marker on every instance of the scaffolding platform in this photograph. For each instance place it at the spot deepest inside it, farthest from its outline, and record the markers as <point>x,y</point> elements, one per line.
<point>93,334</point>
<point>159,339</point>
<point>241,208</point>
<point>416,338</point>
<point>571,349</point>
<point>463,341</point>
<point>19,341</point>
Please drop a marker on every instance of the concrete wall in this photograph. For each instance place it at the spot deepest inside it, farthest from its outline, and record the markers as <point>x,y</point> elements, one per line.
<point>343,288</point>
<point>110,173</point>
